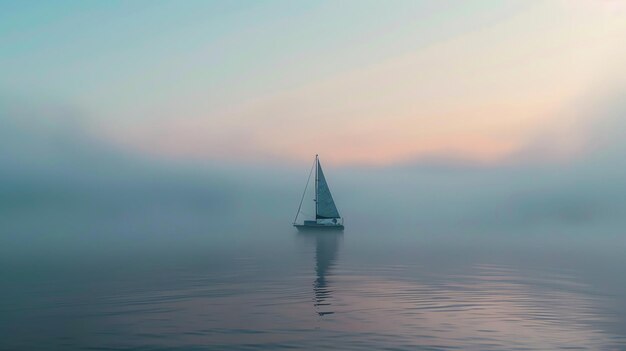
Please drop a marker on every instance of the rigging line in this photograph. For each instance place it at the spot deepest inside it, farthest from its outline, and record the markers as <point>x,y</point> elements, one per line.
<point>317,167</point>
<point>304,193</point>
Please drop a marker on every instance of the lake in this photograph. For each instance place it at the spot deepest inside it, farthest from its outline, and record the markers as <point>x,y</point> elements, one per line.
<point>266,286</point>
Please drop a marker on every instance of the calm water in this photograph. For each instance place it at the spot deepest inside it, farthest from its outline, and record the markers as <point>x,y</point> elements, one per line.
<point>278,289</point>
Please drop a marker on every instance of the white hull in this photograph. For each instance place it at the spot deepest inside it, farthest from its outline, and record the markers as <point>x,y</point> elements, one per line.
<point>319,226</point>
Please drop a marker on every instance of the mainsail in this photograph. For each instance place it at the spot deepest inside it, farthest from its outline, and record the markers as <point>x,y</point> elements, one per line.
<point>325,206</point>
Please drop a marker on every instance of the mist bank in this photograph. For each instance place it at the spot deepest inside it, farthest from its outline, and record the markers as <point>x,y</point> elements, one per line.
<point>63,188</point>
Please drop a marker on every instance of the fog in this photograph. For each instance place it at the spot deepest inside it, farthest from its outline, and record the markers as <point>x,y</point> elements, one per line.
<point>66,189</point>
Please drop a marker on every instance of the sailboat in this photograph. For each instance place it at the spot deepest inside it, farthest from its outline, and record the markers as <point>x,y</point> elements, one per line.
<point>326,215</point>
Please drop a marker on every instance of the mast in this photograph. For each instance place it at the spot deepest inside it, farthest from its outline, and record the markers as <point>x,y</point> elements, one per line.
<point>316,182</point>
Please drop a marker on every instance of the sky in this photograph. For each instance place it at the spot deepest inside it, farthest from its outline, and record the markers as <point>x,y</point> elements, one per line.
<point>362,83</point>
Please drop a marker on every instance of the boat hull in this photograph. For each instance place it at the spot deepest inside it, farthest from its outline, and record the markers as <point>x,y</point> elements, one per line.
<point>318,227</point>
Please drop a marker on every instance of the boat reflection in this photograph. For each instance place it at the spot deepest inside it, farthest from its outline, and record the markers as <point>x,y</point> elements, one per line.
<point>326,248</point>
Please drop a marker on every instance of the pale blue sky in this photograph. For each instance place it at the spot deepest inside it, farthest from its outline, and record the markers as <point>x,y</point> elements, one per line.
<point>389,81</point>
<point>113,57</point>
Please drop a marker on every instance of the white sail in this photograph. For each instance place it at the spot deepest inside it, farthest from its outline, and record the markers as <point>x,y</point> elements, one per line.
<point>325,205</point>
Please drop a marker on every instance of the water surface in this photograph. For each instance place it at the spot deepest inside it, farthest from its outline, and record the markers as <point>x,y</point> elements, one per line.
<point>276,289</point>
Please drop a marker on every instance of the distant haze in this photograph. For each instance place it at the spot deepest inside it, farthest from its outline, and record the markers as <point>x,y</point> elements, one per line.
<point>479,115</point>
